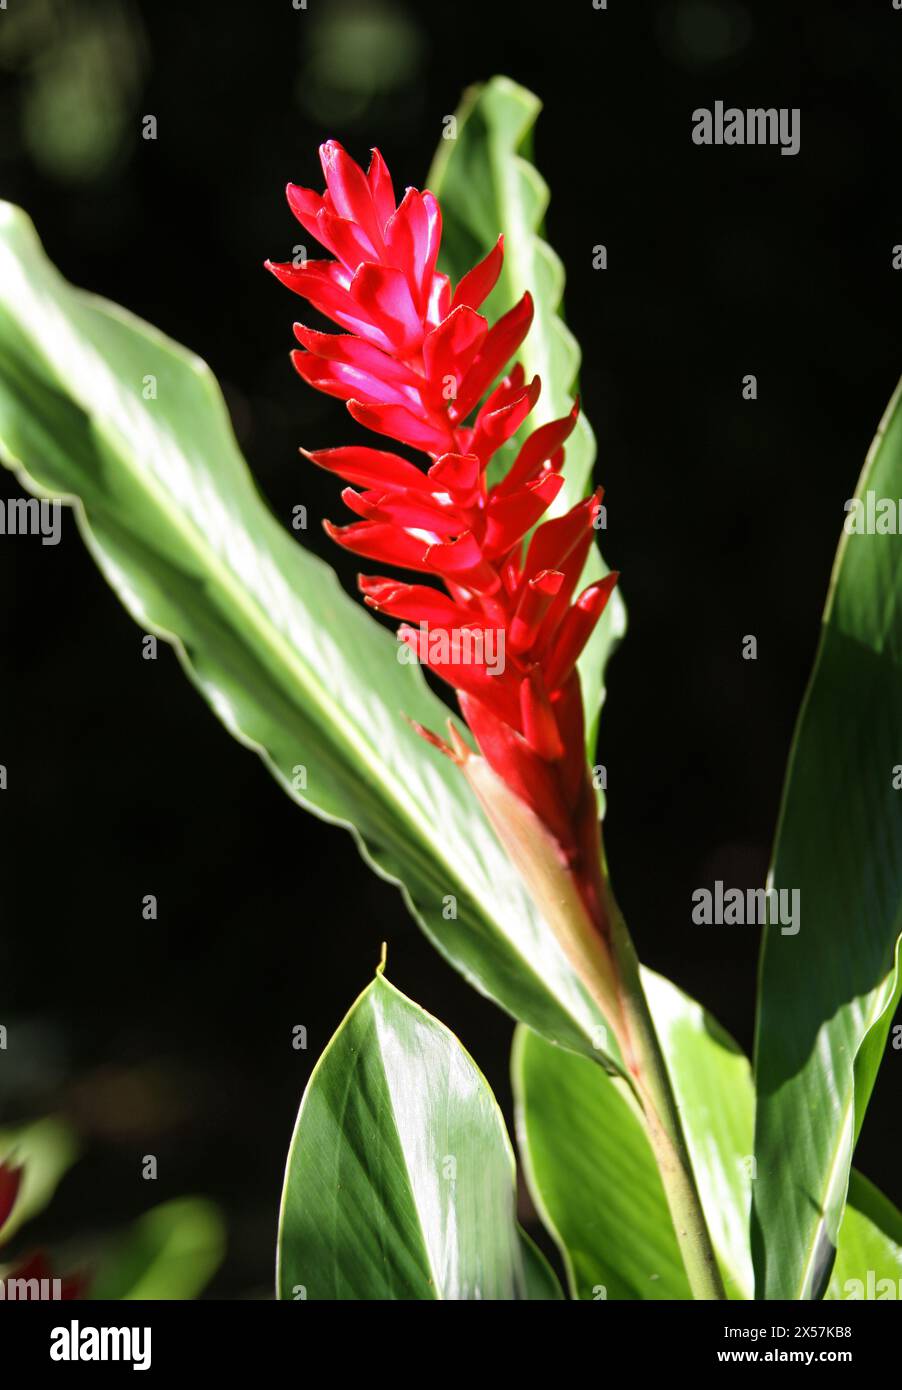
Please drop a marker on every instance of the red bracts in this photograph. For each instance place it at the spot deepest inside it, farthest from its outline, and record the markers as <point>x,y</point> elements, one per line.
<point>418,363</point>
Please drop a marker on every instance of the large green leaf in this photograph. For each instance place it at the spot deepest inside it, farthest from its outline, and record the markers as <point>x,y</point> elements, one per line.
<point>293,667</point>
<point>592,1173</point>
<point>487,184</point>
<point>170,1253</point>
<point>827,994</point>
<point>400,1181</point>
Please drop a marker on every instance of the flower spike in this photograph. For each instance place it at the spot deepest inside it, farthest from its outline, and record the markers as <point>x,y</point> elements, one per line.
<point>418,363</point>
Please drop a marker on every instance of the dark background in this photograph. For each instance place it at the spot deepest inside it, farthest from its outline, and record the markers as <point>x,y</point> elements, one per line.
<point>174,1037</point>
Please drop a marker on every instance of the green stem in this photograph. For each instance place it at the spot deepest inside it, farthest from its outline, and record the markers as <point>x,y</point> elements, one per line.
<point>581,911</point>
<point>645,1062</point>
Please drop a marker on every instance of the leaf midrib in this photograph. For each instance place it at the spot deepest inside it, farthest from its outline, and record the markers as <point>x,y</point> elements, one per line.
<point>434,1281</point>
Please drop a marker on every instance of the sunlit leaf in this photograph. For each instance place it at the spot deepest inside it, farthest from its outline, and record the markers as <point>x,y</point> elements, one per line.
<point>400,1181</point>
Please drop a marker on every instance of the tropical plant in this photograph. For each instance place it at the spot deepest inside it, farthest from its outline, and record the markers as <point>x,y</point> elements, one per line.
<point>660,1166</point>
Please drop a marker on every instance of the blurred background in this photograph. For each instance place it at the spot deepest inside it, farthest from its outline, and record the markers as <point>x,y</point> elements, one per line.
<point>174,1037</point>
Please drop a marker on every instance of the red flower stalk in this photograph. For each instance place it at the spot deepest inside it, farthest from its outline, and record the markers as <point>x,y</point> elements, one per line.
<point>417,363</point>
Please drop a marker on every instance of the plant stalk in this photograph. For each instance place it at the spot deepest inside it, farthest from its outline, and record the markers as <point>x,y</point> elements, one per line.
<point>580,909</point>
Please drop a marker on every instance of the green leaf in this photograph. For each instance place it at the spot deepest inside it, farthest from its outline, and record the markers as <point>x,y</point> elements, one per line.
<point>400,1181</point>
<point>170,1253</point>
<point>593,1177</point>
<point>294,668</point>
<point>45,1150</point>
<point>828,993</point>
<point>712,1079</point>
<point>592,1172</point>
<point>870,1246</point>
<point>487,184</point>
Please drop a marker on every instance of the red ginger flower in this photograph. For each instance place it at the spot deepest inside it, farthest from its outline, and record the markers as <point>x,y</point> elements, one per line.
<point>415,363</point>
